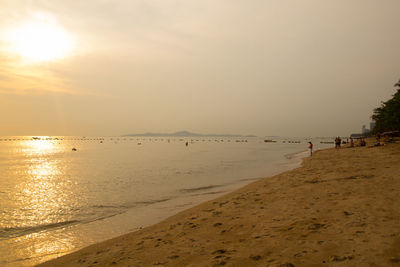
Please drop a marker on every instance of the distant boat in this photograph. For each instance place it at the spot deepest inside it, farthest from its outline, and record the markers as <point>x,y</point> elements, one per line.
<point>269,141</point>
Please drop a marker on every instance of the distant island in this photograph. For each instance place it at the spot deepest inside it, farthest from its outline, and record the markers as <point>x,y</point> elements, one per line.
<point>187,134</point>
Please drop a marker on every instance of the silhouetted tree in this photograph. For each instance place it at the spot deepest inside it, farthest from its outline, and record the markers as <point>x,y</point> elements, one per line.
<point>387,116</point>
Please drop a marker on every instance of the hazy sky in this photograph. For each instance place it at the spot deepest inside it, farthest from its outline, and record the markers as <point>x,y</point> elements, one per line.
<point>271,67</point>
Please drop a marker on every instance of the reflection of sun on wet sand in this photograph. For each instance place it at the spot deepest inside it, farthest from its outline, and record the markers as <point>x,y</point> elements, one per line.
<point>342,207</point>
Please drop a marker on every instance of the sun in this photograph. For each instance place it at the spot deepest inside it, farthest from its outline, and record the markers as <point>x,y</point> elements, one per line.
<point>39,41</point>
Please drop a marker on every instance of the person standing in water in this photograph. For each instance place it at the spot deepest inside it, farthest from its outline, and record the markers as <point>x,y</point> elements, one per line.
<point>310,146</point>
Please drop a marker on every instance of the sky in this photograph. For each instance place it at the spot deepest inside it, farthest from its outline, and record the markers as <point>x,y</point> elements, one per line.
<point>262,67</point>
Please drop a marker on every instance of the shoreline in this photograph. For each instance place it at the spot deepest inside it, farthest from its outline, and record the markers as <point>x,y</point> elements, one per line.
<point>335,209</point>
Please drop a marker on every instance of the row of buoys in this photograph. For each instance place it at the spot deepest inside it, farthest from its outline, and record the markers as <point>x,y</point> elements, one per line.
<point>153,140</point>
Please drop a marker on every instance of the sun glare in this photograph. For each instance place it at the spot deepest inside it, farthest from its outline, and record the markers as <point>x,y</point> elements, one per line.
<point>40,41</point>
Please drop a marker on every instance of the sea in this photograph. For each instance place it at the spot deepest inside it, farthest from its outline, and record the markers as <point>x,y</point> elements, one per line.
<point>61,193</point>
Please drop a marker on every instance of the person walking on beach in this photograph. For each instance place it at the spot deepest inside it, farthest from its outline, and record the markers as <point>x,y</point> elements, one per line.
<point>338,141</point>
<point>310,146</point>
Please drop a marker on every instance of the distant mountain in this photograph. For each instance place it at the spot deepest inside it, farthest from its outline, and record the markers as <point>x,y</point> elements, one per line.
<point>187,134</point>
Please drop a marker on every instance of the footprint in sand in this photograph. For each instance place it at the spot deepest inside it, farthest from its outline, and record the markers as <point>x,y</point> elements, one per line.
<point>219,251</point>
<point>315,226</point>
<point>256,258</point>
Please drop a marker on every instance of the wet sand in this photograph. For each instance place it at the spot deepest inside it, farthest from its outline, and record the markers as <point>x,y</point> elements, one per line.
<point>341,208</point>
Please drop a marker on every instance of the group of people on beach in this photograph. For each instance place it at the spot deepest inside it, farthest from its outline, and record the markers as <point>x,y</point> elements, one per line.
<point>360,142</point>
<point>350,141</point>
<point>338,143</point>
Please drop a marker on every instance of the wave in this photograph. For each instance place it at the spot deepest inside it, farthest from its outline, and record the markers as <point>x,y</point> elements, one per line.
<point>149,202</point>
<point>195,189</point>
<point>295,154</point>
<point>129,205</point>
<point>92,213</point>
<point>11,232</point>
<point>210,193</point>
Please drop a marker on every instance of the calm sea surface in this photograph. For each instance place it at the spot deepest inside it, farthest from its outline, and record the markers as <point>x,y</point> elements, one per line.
<point>54,200</point>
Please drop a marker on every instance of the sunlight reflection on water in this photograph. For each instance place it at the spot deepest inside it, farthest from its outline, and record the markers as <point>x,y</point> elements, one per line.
<point>41,147</point>
<point>41,193</point>
<point>38,201</point>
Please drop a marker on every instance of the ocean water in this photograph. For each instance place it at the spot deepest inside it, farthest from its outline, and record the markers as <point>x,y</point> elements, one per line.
<point>54,200</point>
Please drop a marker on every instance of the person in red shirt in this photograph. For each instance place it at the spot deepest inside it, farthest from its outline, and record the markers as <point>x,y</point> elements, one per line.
<point>310,146</point>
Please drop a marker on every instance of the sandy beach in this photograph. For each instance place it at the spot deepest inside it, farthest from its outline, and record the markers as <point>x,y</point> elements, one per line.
<point>341,208</point>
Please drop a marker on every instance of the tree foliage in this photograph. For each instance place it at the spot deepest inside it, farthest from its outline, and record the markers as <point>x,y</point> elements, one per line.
<point>387,116</point>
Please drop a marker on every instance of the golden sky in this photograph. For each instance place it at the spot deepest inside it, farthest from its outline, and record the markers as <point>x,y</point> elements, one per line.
<point>270,67</point>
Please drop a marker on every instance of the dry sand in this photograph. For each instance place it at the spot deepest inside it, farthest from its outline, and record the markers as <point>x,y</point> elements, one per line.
<point>341,208</point>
